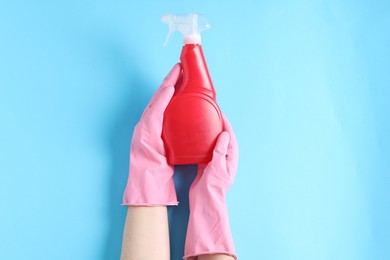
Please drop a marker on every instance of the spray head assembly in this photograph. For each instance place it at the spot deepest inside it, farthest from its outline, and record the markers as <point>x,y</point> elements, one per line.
<point>190,25</point>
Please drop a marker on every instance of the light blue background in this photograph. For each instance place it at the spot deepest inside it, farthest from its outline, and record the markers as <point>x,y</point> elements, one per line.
<point>305,84</point>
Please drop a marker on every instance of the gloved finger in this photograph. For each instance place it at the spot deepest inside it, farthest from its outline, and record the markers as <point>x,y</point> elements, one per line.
<point>228,127</point>
<point>155,112</point>
<point>201,168</point>
<point>232,154</point>
<point>173,75</point>
<point>163,95</point>
<point>221,148</point>
<point>226,124</point>
<point>199,175</point>
<point>169,80</point>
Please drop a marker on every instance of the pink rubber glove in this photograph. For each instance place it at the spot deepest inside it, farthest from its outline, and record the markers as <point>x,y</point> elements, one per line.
<point>208,226</point>
<point>150,181</point>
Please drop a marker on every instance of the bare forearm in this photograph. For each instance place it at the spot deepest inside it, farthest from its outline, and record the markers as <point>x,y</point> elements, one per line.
<point>146,234</point>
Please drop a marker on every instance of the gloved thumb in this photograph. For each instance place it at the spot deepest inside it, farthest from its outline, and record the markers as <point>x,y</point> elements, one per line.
<point>163,95</point>
<point>221,147</point>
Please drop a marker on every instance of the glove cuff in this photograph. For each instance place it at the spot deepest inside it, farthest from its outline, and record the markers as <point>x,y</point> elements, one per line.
<point>155,188</point>
<point>208,229</point>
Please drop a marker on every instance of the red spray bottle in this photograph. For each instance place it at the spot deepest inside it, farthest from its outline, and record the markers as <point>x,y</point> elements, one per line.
<point>192,120</point>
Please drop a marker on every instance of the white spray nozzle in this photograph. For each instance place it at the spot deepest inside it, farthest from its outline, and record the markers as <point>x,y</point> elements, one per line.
<point>190,25</point>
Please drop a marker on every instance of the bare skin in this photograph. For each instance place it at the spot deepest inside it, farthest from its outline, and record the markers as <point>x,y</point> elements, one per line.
<point>146,235</point>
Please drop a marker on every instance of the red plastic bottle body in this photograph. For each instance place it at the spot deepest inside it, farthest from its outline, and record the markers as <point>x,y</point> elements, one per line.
<point>192,120</point>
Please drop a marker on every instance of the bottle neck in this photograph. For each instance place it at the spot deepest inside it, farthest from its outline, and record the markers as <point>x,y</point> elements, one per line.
<point>196,77</point>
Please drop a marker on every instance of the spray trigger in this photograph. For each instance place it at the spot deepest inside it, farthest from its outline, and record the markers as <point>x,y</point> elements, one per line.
<point>190,25</point>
